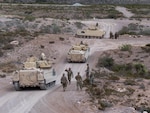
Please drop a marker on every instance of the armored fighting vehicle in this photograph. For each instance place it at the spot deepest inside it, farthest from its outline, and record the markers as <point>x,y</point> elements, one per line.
<point>36,73</point>
<point>91,32</point>
<point>78,53</point>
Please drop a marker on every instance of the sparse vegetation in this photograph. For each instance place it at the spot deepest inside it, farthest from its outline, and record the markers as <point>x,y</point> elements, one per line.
<point>79,25</point>
<point>135,29</point>
<point>130,82</point>
<point>8,47</point>
<point>8,67</point>
<point>61,38</point>
<point>125,47</point>
<point>1,53</point>
<point>107,62</point>
<point>64,12</point>
<point>29,18</point>
<point>140,10</point>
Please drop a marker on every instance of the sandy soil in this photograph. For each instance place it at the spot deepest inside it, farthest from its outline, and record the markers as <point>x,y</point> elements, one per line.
<point>125,12</point>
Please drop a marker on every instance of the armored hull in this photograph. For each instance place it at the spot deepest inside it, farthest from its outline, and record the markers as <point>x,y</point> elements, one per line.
<point>78,53</point>
<point>91,32</point>
<point>35,74</point>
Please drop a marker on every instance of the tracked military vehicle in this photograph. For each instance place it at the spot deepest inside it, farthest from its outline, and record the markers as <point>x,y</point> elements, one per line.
<point>91,32</point>
<point>36,73</point>
<point>78,53</point>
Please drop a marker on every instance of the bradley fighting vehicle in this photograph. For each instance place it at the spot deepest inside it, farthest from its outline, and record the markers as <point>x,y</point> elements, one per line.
<point>36,73</point>
<point>78,53</point>
<point>91,32</point>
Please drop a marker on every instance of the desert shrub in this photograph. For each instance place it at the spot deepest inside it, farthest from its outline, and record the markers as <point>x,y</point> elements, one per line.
<point>142,86</point>
<point>78,25</point>
<point>130,82</point>
<point>22,32</point>
<point>134,29</point>
<point>8,46</point>
<point>131,70</point>
<point>113,77</point>
<point>46,29</point>
<point>144,32</point>
<point>130,91</point>
<point>61,39</point>
<point>140,69</point>
<point>146,49</point>
<point>8,67</point>
<point>1,53</point>
<point>103,104</point>
<point>133,26</point>
<point>125,47</point>
<point>4,38</point>
<point>107,62</point>
<point>29,18</point>
<point>124,30</point>
<point>123,68</point>
<point>55,28</point>
<point>109,91</point>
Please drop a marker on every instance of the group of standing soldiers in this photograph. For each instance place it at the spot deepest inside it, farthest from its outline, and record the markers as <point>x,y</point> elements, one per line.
<point>67,80</point>
<point>79,82</point>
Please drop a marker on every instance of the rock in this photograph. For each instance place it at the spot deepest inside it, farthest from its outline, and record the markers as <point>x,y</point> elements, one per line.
<point>145,112</point>
<point>14,42</point>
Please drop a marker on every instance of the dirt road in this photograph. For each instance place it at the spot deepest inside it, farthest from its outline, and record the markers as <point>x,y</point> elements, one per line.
<point>125,12</point>
<point>54,100</point>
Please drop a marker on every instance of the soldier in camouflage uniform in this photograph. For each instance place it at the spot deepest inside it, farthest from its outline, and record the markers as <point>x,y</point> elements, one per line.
<point>79,81</point>
<point>69,74</point>
<point>87,71</point>
<point>91,78</point>
<point>64,82</point>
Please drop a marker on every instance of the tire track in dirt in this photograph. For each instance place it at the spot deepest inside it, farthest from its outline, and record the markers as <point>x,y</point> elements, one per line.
<point>21,102</point>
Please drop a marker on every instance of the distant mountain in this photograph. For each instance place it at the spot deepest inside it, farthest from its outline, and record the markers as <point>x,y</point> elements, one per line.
<point>81,1</point>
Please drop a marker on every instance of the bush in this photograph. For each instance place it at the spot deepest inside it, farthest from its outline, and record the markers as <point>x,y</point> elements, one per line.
<point>78,25</point>
<point>29,18</point>
<point>133,26</point>
<point>8,46</point>
<point>140,69</point>
<point>129,82</point>
<point>55,28</point>
<point>145,32</point>
<point>114,78</point>
<point>105,62</point>
<point>61,39</point>
<point>146,48</point>
<point>124,30</point>
<point>8,67</point>
<point>125,47</point>
<point>1,53</point>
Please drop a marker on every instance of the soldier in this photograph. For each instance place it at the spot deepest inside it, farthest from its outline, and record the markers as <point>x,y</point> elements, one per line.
<point>81,42</point>
<point>96,24</point>
<point>69,74</point>
<point>87,71</point>
<point>64,82</point>
<point>111,35</point>
<point>116,35</point>
<point>79,81</point>
<point>91,78</point>
<point>43,57</point>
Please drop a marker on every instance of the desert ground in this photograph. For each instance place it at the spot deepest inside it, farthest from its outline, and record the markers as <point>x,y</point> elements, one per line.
<point>54,100</point>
